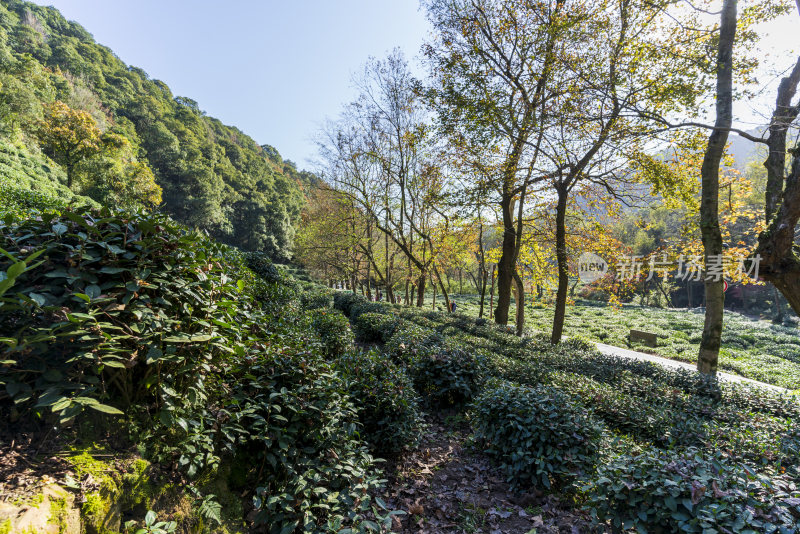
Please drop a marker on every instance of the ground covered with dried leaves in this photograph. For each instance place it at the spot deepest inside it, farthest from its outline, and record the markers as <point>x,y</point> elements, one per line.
<point>446,484</point>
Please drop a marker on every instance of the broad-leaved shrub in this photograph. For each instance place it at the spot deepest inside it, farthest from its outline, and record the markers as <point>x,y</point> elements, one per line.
<point>539,435</point>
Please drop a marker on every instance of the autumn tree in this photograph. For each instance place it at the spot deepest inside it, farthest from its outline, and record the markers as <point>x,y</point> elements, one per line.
<point>331,237</point>
<point>492,65</point>
<point>69,136</point>
<point>116,176</point>
<point>379,154</point>
<point>779,263</point>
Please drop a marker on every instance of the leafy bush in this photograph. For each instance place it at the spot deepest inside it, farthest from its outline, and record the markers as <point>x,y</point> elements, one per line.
<point>345,300</point>
<point>302,432</point>
<point>666,492</point>
<point>278,288</point>
<point>318,297</point>
<point>134,313</point>
<point>364,306</point>
<point>106,300</point>
<point>446,374</point>
<point>334,329</point>
<point>411,340</point>
<point>388,406</point>
<point>539,435</point>
<point>371,327</point>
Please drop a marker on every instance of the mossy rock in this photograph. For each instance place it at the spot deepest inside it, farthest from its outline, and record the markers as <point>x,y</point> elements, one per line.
<point>115,490</point>
<point>101,510</point>
<point>52,511</point>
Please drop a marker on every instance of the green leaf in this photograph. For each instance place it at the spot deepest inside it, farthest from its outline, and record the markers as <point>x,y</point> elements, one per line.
<point>150,518</point>
<point>112,270</point>
<point>59,228</point>
<point>15,270</point>
<point>188,339</point>
<point>93,291</point>
<point>39,299</point>
<point>106,409</point>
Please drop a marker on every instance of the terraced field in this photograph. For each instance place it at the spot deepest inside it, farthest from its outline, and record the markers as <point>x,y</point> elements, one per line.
<point>751,348</point>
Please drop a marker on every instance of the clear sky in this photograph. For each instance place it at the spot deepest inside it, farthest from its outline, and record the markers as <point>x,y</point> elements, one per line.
<point>273,68</point>
<point>276,69</point>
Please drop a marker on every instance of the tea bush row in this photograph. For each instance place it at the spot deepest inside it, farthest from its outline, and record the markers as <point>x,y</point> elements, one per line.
<point>702,454</point>
<point>203,354</point>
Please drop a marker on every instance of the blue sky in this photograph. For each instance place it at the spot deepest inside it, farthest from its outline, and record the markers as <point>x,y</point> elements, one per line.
<point>275,69</point>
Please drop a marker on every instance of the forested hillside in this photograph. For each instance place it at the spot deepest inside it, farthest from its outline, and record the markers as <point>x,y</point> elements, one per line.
<point>75,119</point>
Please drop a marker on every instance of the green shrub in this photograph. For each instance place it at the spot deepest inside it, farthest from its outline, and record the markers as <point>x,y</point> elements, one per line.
<point>446,375</point>
<point>334,329</point>
<point>301,435</point>
<point>373,327</point>
<point>410,340</point>
<point>345,300</point>
<point>104,313</point>
<point>278,289</point>
<point>660,491</point>
<point>316,297</point>
<point>388,406</point>
<point>106,300</point>
<point>364,306</point>
<point>539,435</point>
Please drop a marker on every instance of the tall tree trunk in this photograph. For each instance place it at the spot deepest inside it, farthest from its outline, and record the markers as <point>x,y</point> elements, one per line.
<point>779,263</point>
<point>483,282</point>
<point>519,297</point>
<point>783,116</point>
<point>563,266</point>
<point>444,291</point>
<point>369,285</point>
<point>505,267</point>
<point>709,195</point>
<point>421,290</point>
<point>491,293</point>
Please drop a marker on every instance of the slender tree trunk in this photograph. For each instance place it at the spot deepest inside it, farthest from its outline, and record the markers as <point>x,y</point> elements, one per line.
<point>433,304</point>
<point>779,263</point>
<point>421,290</point>
<point>369,273</point>
<point>519,298</point>
<point>444,291</point>
<point>563,267</point>
<point>491,293</point>
<point>783,116</point>
<point>778,309</point>
<point>505,267</point>
<point>483,281</point>
<point>709,196</point>
<point>70,174</point>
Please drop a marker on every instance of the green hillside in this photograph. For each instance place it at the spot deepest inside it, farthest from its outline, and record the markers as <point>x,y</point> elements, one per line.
<point>211,176</point>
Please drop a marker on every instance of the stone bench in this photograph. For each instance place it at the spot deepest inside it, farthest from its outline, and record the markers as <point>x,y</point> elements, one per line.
<point>648,338</point>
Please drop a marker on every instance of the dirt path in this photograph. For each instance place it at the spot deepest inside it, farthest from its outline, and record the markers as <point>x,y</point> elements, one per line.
<point>674,364</point>
<point>445,485</point>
